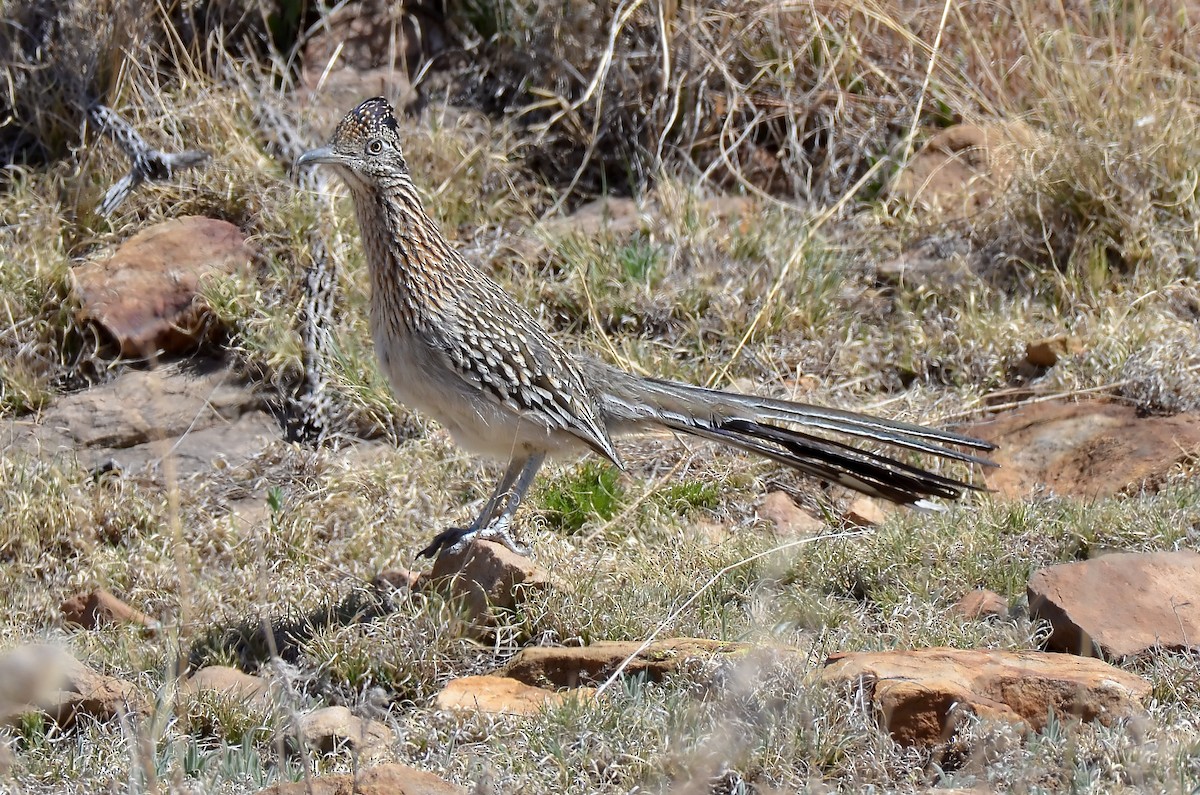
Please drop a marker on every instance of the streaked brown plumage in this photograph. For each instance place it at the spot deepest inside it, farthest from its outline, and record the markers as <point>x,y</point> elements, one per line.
<point>455,346</point>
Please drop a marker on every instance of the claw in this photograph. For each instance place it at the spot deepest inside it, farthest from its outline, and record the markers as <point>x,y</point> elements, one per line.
<point>452,539</point>
<point>499,531</point>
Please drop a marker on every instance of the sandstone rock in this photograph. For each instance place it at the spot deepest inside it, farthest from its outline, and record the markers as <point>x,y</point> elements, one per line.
<point>865,512</point>
<point>486,576</point>
<point>981,603</point>
<point>333,729</point>
<point>963,169</point>
<point>708,532</point>
<point>616,216</point>
<point>99,607</point>
<point>922,694</point>
<point>199,418</point>
<point>147,294</point>
<point>1121,604</point>
<point>1087,449</point>
<point>380,780</point>
<point>1046,352</point>
<point>569,667</point>
<point>229,682</point>
<point>789,518</point>
<point>46,679</point>
<point>397,579</point>
<point>500,695</point>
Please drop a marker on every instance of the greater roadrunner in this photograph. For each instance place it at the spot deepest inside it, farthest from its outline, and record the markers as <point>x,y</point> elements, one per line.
<point>457,347</point>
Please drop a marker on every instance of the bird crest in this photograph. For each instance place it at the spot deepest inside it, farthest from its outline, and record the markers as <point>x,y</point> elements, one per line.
<point>369,118</point>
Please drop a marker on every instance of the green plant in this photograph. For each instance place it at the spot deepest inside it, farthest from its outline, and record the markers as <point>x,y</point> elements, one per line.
<point>591,491</point>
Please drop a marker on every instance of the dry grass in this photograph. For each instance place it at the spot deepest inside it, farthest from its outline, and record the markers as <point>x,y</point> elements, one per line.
<point>1096,238</point>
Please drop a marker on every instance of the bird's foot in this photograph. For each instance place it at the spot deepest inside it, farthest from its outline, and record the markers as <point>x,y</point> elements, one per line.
<point>453,540</point>
<point>500,531</point>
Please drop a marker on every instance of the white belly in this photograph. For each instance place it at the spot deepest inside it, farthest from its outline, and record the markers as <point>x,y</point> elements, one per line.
<point>422,379</point>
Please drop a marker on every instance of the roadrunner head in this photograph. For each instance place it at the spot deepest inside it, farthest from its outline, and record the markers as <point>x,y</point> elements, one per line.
<point>365,146</point>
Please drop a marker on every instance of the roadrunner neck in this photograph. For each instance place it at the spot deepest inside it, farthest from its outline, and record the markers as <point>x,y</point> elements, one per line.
<point>413,268</point>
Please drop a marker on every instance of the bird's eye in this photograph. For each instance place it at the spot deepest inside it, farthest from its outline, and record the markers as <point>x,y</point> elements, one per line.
<point>374,147</point>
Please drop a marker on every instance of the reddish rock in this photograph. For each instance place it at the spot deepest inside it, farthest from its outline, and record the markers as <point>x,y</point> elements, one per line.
<point>981,603</point>
<point>379,780</point>
<point>99,608</point>
<point>486,576</point>
<point>789,518</point>
<point>334,729</point>
<point>962,169</point>
<point>147,294</point>
<point>46,679</point>
<point>572,666</point>
<point>229,682</point>
<point>922,694</point>
<point>1121,604</point>
<point>1046,352</point>
<point>397,580</point>
<point>1087,449</point>
<point>500,695</point>
<point>866,512</point>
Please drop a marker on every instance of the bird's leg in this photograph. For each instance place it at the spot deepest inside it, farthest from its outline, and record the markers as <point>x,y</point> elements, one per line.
<point>498,528</point>
<point>455,539</point>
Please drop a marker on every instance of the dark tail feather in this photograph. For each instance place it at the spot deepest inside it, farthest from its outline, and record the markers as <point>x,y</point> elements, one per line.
<point>861,470</point>
<point>900,434</point>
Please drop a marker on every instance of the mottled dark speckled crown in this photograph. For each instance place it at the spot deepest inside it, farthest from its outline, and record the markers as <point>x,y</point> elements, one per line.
<point>367,119</point>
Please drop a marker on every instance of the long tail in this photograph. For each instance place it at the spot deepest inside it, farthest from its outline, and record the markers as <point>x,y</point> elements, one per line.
<point>782,431</point>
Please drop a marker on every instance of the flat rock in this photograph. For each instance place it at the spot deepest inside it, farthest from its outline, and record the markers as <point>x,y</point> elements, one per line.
<point>981,603</point>
<point>573,666</point>
<point>334,729</point>
<point>1087,449</point>
<point>230,683</point>
<point>200,418</point>
<point>922,694</point>
<point>46,679</point>
<point>390,779</point>
<point>789,518</point>
<point>484,577</point>
<point>99,608</point>
<point>500,695</point>
<point>147,295</point>
<point>1120,604</point>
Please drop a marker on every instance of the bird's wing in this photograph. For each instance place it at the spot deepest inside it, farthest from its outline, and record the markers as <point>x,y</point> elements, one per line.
<point>507,354</point>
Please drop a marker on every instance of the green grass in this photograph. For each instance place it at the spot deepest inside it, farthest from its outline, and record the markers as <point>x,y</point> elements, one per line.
<point>591,492</point>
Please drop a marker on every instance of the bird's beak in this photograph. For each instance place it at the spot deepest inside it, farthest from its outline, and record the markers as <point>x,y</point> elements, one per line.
<point>322,154</point>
